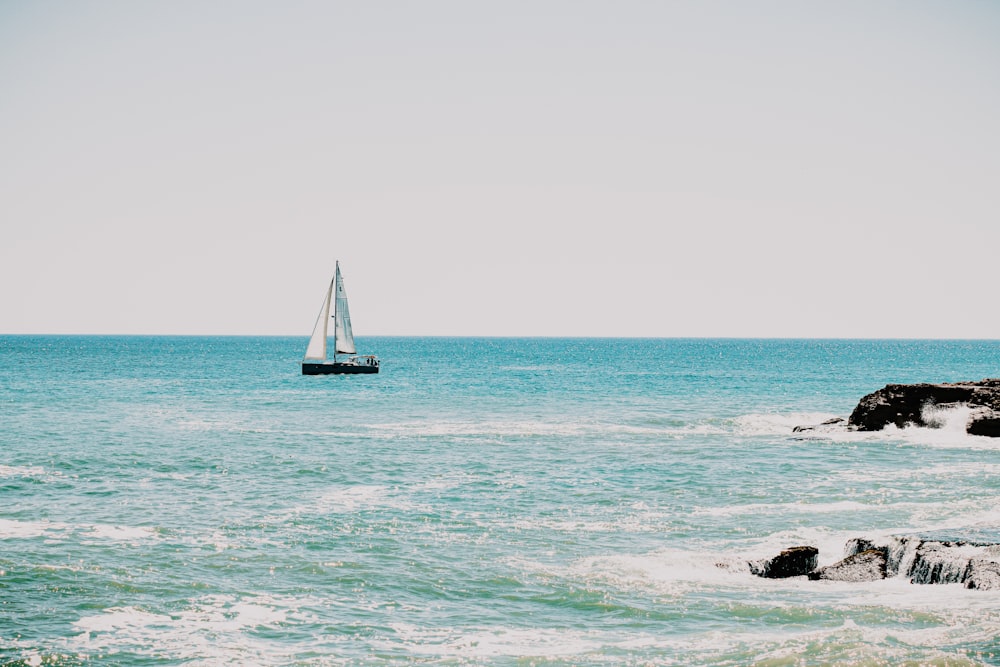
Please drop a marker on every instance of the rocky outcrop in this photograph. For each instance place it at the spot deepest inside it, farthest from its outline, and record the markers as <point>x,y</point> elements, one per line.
<point>906,404</point>
<point>793,562</point>
<point>971,559</point>
<point>868,565</point>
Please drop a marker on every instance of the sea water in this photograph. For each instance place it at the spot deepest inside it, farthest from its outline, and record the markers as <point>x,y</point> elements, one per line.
<point>543,501</point>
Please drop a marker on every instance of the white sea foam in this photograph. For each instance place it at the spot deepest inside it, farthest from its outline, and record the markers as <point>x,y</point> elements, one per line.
<point>120,618</point>
<point>952,418</point>
<point>849,643</point>
<point>350,499</point>
<point>611,431</point>
<point>13,529</point>
<point>980,510</point>
<point>545,428</point>
<point>846,642</point>
<point>786,508</point>
<point>945,430</point>
<point>480,643</point>
<point>776,423</point>
<point>754,424</point>
<point>22,471</point>
<point>120,533</point>
<point>661,570</point>
<point>484,428</point>
<point>214,630</point>
<point>935,473</point>
<point>631,524</point>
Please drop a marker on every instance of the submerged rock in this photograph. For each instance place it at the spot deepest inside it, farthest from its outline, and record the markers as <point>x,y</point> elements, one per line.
<point>868,565</point>
<point>904,404</point>
<point>835,424</point>
<point>793,562</point>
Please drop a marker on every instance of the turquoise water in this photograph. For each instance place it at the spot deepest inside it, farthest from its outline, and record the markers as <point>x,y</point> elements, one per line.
<point>197,501</point>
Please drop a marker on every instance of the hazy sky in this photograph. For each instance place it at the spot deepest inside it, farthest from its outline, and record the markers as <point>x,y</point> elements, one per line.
<point>507,168</point>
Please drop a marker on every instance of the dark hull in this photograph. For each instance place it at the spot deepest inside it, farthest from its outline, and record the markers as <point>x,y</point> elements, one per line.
<point>331,368</point>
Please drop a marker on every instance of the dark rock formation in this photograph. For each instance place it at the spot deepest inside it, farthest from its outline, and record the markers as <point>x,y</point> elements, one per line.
<point>972,560</point>
<point>793,562</point>
<point>904,404</point>
<point>940,563</point>
<point>868,565</point>
<point>984,421</point>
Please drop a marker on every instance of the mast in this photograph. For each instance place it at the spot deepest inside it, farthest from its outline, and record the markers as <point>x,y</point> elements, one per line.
<point>334,297</point>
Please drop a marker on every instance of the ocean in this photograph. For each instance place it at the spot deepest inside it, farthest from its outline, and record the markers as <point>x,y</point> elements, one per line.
<point>481,501</point>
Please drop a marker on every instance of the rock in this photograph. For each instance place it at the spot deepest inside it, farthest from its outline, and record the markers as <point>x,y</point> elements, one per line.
<point>837,423</point>
<point>940,563</point>
<point>868,565</point>
<point>903,404</point>
<point>983,575</point>
<point>984,421</point>
<point>793,562</point>
<point>971,559</point>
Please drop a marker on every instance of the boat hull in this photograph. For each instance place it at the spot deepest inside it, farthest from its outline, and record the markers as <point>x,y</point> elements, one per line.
<point>336,368</point>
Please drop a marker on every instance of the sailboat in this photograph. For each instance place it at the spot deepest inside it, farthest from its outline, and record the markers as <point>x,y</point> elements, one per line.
<point>315,361</point>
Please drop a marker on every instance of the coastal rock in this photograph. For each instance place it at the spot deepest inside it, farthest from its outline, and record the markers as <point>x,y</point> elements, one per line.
<point>793,562</point>
<point>984,421</point>
<point>971,559</point>
<point>983,575</point>
<point>835,424</point>
<point>941,563</point>
<point>868,565</point>
<point>904,404</point>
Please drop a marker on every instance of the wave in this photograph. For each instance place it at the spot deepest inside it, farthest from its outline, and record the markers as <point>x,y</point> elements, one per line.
<point>14,529</point>
<point>785,508</point>
<point>491,642</point>
<point>751,424</point>
<point>24,471</point>
<point>845,642</point>
<point>219,629</point>
<point>945,429</point>
<point>352,499</point>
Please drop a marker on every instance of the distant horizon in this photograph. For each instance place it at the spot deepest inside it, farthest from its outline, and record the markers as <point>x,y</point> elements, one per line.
<point>501,337</point>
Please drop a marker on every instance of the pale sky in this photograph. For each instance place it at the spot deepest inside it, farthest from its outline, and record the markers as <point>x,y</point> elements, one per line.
<point>619,168</point>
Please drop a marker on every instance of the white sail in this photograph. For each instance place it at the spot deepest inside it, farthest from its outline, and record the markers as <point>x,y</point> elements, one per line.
<point>317,342</point>
<point>343,336</point>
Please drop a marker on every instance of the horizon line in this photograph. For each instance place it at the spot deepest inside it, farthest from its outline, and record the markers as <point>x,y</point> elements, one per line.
<point>509,336</point>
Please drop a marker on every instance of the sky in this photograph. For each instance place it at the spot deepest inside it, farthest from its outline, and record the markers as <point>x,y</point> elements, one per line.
<point>543,168</point>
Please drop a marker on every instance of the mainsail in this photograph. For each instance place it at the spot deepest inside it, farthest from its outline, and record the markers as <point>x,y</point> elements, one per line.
<point>317,342</point>
<point>344,337</point>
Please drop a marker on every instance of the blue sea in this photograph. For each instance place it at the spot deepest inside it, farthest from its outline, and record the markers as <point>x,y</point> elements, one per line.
<point>481,501</point>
